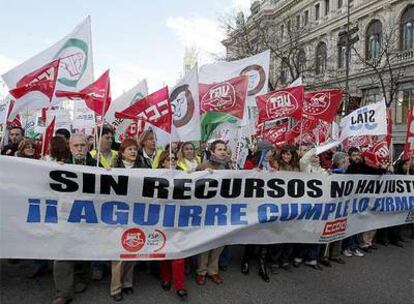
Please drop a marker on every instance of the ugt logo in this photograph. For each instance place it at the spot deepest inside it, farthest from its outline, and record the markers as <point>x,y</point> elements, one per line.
<point>220,98</point>
<point>73,61</point>
<point>281,104</point>
<point>363,119</point>
<point>133,239</point>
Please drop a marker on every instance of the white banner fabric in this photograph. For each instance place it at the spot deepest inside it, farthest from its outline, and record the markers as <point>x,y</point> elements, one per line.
<point>368,120</point>
<point>74,212</point>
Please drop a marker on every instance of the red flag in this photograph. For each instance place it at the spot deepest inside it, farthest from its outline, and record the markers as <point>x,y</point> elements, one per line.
<point>409,140</point>
<point>378,155</point>
<point>285,102</point>
<point>97,95</point>
<point>276,134</point>
<point>362,142</point>
<point>389,127</point>
<point>35,90</point>
<point>16,121</point>
<point>47,136</point>
<point>154,109</point>
<point>302,131</point>
<point>225,97</point>
<point>323,105</point>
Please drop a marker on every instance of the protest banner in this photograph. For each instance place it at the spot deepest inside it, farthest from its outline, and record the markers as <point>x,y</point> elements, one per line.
<point>73,212</point>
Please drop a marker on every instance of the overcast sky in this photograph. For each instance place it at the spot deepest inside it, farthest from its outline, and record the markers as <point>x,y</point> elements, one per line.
<point>135,39</point>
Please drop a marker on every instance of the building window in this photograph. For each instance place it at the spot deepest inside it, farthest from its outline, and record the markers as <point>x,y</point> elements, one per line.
<point>407,28</point>
<point>326,7</point>
<point>371,96</point>
<point>306,18</point>
<point>341,57</point>
<point>289,26</point>
<point>284,71</point>
<point>340,3</point>
<point>373,40</point>
<point>297,21</point>
<point>321,57</point>
<point>301,61</point>
<point>317,11</point>
<point>282,31</point>
<point>405,99</point>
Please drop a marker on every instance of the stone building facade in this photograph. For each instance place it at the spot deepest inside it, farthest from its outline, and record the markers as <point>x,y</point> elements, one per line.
<point>321,58</point>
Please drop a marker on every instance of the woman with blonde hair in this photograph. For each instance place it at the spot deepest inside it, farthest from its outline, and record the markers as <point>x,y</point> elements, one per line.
<point>188,160</point>
<point>148,149</point>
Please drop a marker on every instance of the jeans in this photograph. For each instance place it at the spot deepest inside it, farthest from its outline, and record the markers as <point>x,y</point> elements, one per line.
<point>350,243</point>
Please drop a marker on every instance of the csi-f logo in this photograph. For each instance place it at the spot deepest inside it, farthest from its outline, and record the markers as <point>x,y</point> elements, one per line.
<point>220,98</point>
<point>257,78</point>
<point>363,119</point>
<point>133,239</point>
<point>281,104</point>
<point>48,74</point>
<point>155,112</point>
<point>182,104</point>
<point>317,105</point>
<point>73,61</point>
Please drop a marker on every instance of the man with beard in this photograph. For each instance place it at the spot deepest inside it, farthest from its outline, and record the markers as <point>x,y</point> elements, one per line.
<point>358,166</point>
<point>72,276</point>
<point>15,137</point>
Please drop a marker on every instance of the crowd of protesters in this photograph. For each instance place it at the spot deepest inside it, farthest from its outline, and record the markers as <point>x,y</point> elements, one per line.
<point>72,277</point>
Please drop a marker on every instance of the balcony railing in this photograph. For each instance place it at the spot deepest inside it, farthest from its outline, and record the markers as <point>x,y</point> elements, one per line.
<point>405,55</point>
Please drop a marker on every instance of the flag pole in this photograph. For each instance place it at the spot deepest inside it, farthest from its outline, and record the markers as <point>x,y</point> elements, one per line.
<point>238,148</point>
<point>170,149</point>
<point>98,154</point>
<point>42,151</point>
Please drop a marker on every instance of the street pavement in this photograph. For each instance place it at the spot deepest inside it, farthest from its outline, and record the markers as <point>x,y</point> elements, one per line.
<point>385,276</point>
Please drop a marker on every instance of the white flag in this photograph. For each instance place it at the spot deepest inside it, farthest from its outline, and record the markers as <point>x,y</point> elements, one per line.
<point>4,107</point>
<point>76,66</point>
<point>186,108</point>
<point>76,61</point>
<point>368,120</point>
<point>121,103</point>
<point>255,67</point>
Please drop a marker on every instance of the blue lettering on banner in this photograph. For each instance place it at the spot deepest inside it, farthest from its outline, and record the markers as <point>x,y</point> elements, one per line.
<point>172,215</point>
